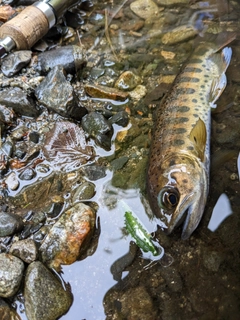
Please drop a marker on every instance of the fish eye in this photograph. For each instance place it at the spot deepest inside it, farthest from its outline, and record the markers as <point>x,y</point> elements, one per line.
<point>168,198</point>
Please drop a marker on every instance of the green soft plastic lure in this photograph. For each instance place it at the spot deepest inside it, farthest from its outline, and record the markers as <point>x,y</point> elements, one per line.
<point>141,236</point>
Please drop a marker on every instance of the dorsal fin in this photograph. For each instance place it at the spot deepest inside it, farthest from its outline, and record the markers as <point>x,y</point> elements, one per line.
<point>198,136</point>
<point>222,61</point>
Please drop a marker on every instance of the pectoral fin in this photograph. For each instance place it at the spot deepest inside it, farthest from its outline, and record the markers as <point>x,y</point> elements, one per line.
<point>198,136</point>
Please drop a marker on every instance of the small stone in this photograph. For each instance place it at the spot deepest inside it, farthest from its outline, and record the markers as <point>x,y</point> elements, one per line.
<point>168,54</point>
<point>94,172</point>
<point>12,181</point>
<point>63,243</point>
<point>11,272</point>
<point>45,298</point>
<point>127,81</point>
<point>138,93</point>
<point>10,223</point>
<point>145,8</point>
<point>26,250</point>
<point>84,192</point>
<point>15,61</point>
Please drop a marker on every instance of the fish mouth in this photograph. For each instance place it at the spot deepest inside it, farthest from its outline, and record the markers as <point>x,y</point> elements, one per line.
<point>189,213</point>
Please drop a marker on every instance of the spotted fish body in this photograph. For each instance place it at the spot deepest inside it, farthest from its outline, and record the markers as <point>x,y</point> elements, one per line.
<point>178,173</point>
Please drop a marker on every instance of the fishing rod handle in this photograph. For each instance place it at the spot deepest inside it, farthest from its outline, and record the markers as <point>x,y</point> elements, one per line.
<point>28,26</point>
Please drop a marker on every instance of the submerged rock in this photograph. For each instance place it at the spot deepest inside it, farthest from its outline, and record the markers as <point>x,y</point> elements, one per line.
<point>127,81</point>
<point>65,240</point>
<point>15,61</point>
<point>144,8</point>
<point>45,298</point>
<point>11,272</point>
<point>9,224</point>
<point>57,94</point>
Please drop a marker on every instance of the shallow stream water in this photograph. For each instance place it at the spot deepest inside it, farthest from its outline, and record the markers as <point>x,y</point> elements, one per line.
<point>198,278</point>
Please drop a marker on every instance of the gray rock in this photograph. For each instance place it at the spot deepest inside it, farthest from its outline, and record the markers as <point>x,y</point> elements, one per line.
<point>11,272</point>
<point>26,250</point>
<point>15,61</point>
<point>57,94</point>
<point>9,224</point>
<point>19,101</point>
<point>45,298</point>
<point>7,313</point>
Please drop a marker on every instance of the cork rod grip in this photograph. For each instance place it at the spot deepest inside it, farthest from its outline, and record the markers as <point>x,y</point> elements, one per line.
<point>26,28</point>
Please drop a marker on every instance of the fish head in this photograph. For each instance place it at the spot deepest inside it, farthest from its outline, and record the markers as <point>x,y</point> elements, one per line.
<point>178,194</point>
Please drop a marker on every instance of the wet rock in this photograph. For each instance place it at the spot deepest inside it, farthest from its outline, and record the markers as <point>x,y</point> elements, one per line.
<point>15,61</point>
<point>65,240</point>
<point>10,223</point>
<point>12,181</point>
<point>121,118</point>
<point>179,34</point>
<point>19,101</point>
<point>102,92</point>
<point>144,8</point>
<point>66,146</point>
<point>94,172</point>
<point>119,163</point>
<point>27,174</point>
<point>127,81</point>
<point>11,272</point>
<point>7,313</point>
<point>98,128</point>
<point>84,192</point>
<point>57,94</point>
<point>45,298</point>
<point>71,58</point>
<point>26,250</point>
